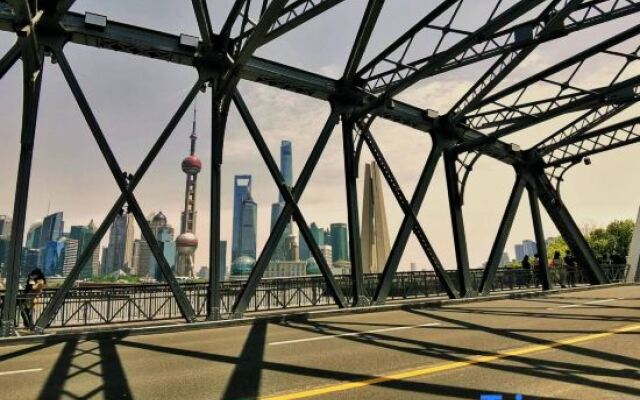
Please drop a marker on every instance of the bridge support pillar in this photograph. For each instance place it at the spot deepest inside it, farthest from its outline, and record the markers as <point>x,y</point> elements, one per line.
<point>540,238</point>
<point>355,246</point>
<point>467,288</point>
<point>501,238</point>
<point>219,114</point>
<point>32,82</point>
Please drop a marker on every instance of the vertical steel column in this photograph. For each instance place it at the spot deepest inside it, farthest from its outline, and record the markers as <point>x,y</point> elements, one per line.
<point>355,245</point>
<point>540,239</point>
<point>501,237</point>
<point>457,225</point>
<point>219,113</point>
<point>568,228</point>
<point>31,86</point>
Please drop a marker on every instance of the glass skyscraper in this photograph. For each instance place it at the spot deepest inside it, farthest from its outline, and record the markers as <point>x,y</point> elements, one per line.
<point>83,234</point>
<point>53,257</point>
<point>241,190</point>
<point>286,164</point>
<point>286,169</point>
<point>318,235</point>
<point>52,228</point>
<point>119,254</point>
<point>248,232</point>
<point>339,242</point>
<point>33,235</point>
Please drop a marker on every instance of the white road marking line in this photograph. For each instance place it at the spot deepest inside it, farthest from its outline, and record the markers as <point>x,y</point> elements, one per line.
<point>21,371</point>
<point>313,339</point>
<point>588,303</point>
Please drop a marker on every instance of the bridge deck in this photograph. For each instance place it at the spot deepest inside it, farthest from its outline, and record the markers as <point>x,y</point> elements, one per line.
<point>587,345</point>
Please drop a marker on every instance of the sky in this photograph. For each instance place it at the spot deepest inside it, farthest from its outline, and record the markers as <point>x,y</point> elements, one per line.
<point>133,98</point>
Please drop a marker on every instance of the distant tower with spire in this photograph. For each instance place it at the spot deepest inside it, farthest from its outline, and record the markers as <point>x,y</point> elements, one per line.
<point>187,242</point>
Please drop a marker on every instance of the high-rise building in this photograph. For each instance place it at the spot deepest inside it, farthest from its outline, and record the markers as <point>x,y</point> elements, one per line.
<point>527,248</point>
<point>52,228</point>
<point>327,253</point>
<point>187,242</point>
<point>286,164</point>
<point>530,248</point>
<point>249,227</point>
<point>31,259</point>
<point>146,265</point>
<point>142,259</point>
<point>120,251</point>
<point>375,233</point>
<point>33,235</point>
<point>319,236</point>
<point>286,169</point>
<point>339,242</point>
<point>291,247</point>
<point>280,252</point>
<point>241,190</point>
<point>53,257</point>
<point>327,236</point>
<point>5,225</point>
<point>519,252</point>
<point>83,235</point>
<point>71,248</point>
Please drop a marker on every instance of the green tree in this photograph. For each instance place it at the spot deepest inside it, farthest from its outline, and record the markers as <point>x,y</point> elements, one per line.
<point>621,233</point>
<point>556,244</point>
<point>601,243</point>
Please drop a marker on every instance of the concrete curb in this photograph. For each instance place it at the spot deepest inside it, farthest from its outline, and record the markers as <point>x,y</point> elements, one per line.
<point>119,332</point>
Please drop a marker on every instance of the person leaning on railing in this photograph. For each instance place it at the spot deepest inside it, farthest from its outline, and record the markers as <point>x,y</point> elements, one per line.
<point>557,270</point>
<point>32,296</point>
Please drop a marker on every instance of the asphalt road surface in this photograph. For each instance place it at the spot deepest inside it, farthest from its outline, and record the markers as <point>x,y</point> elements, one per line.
<point>580,345</point>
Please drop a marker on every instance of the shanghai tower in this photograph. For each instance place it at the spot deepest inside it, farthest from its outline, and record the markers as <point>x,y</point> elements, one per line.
<point>286,168</point>
<point>187,242</point>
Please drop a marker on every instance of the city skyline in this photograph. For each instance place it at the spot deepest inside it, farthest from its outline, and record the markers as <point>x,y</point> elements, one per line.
<point>134,109</point>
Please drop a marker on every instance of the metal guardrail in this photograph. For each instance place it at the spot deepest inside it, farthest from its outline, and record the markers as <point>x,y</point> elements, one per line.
<point>111,304</point>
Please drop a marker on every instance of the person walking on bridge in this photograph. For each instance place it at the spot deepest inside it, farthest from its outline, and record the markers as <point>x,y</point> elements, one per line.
<point>557,270</point>
<point>33,289</point>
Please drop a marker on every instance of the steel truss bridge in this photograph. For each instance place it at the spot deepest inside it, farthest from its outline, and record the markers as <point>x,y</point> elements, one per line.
<point>476,126</point>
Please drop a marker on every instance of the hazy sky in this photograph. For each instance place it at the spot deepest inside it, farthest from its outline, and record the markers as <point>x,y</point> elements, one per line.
<point>133,98</point>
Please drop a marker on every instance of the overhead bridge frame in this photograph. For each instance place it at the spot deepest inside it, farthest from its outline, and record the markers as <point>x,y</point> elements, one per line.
<point>473,128</point>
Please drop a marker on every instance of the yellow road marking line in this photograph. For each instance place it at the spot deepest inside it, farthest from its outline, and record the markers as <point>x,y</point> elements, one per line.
<point>453,365</point>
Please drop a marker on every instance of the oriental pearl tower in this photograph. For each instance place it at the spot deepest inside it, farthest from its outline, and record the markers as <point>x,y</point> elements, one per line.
<point>187,242</point>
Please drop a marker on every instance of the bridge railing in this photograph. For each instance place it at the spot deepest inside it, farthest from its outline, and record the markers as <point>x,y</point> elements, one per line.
<point>99,305</point>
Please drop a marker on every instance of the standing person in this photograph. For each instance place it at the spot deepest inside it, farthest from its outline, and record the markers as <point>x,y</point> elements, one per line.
<point>33,289</point>
<point>537,270</point>
<point>557,269</point>
<point>526,270</point>
<point>572,271</point>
